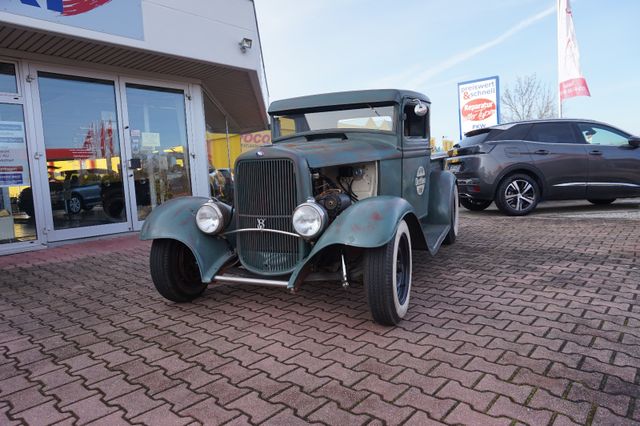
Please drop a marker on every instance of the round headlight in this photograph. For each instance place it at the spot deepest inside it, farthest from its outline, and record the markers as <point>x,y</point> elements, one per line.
<point>209,218</point>
<point>309,219</point>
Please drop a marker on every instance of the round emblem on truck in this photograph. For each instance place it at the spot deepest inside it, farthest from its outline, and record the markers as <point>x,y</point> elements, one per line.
<point>421,180</point>
<point>260,153</point>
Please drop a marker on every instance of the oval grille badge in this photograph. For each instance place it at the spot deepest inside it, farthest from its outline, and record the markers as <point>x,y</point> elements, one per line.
<point>260,153</point>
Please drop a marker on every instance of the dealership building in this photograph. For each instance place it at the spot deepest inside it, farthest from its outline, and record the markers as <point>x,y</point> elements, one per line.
<point>106,107</point>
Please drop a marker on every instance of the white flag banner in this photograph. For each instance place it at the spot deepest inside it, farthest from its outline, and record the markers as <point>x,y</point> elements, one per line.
<point>571,81</point>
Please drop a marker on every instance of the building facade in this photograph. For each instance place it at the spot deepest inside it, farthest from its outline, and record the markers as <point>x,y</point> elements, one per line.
<point>106,108</point>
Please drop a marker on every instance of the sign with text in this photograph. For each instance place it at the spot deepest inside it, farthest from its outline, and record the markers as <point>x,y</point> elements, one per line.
<point>478,104</point>
<point>116,17</point>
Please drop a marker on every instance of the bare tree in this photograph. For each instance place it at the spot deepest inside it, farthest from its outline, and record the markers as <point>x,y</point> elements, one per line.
<point>528,99</point>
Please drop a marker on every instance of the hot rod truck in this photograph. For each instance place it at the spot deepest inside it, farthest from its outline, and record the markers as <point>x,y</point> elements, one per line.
<point>345,192</point>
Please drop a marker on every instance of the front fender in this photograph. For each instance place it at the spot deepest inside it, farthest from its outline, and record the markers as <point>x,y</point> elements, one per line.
<point>175,220</point>
<point>369,223</point>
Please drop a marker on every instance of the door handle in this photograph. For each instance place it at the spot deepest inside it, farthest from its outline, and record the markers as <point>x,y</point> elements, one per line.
<point>541,152</point>
<point>595,152</point>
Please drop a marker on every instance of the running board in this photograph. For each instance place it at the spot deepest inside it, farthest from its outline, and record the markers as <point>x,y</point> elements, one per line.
<point>244,280</point>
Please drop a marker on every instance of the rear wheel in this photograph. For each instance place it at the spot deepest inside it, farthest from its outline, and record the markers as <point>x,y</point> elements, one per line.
<point>475,205</point>
<point>517,195</point>
<point>175,272</point>
<point>387,277</point>
<point>602,202</point>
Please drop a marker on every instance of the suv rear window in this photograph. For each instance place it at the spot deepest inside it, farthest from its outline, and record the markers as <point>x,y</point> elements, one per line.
<point>473,140</point>
<point>517,132</point>
<point>552,133</point>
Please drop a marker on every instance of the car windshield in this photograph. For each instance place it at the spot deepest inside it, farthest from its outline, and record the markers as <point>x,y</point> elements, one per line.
<point>369,117</point>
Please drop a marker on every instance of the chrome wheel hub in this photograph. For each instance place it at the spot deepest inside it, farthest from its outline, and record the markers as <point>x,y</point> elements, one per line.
<point>520,195</point>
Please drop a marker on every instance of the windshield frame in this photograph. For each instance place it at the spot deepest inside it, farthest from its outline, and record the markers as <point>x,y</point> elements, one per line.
<point>275,120</point>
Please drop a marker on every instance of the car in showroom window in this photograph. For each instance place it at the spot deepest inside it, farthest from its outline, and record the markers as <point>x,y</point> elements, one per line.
<point>518,165</point>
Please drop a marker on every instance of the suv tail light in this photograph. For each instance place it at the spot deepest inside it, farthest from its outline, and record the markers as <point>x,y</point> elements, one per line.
<point>469,150</point>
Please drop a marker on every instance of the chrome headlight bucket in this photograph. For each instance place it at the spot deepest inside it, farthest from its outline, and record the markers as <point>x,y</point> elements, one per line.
<point>210,218</point>
<point>310,219</point>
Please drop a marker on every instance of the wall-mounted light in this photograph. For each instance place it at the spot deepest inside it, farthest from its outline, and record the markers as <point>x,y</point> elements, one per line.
<point>245,44</point>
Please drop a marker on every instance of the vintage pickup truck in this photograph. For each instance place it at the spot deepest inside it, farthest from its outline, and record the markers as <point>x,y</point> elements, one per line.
<point>346,191</point>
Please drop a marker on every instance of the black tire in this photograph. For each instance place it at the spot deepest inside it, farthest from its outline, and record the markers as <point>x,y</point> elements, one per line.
<point>387,277</point>
<point>517,195</point>
<point>455,219</point>
<point>175,272</point>
<point>475,205</point>
<point>113,202</point>
<point>602,202</point>
<point>25,202</point>
<point>74,204</point>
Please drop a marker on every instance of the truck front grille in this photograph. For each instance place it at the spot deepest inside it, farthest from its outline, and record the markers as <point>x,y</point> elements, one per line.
<point>266,197</point>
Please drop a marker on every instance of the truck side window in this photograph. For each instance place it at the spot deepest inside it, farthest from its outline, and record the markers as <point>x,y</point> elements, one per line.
<point>414,126</point>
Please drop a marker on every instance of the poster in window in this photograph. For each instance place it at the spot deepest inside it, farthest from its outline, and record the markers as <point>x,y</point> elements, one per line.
<point>14,164</point>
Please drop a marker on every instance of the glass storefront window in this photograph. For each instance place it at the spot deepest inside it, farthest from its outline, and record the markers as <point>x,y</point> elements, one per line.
<point>220,153</point>
<point>82,148</point>
<point>16,199</point>
<point>160,156</point>
<point>8,82</point>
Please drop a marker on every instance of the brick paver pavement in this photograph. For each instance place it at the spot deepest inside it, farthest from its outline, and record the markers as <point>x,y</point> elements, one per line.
<point>524,320</point>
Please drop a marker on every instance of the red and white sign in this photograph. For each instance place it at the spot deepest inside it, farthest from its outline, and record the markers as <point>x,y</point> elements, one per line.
<point>478,102</point>
<point>570,78</point>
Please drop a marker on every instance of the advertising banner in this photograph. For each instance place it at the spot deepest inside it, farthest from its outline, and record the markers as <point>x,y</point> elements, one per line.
<point>116,17</point>
<point>14,165</point>
<point>478,104</point>
<point>572,82</point>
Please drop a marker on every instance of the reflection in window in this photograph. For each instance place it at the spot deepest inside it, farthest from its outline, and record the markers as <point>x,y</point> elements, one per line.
<point>158,130</point>
<point>8,83</point>
<point>598,135</point>
<point>371,117</point>
<point>82,149</point>
<point>222,152</point>
<point>16,199</point>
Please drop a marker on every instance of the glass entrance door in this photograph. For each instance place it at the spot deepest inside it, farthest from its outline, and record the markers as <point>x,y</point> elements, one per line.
<point>159,162</point>
<point>85,193</point>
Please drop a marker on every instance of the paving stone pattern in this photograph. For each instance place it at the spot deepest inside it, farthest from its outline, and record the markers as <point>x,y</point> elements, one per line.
<point>522,321</point>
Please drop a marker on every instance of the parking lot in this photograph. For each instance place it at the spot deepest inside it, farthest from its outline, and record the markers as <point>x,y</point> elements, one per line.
<point>533,319</point>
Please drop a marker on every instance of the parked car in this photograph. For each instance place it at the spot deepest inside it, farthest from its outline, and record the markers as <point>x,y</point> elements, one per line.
<point>345,193</point>
<point>517,165</point>
<point>73,190</point>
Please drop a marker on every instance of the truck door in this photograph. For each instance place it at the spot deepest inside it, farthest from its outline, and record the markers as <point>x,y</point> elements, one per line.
<point>415,159</point>
<point>561,158</point>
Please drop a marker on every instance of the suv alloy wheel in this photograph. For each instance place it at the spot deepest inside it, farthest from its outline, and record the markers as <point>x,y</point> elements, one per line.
<point>517,195</point>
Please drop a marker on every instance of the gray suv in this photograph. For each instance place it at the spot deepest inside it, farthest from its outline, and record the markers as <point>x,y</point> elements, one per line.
<point>517,165</point>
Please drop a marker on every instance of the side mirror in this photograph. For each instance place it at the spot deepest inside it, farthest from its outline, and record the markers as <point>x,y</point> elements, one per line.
<point>420,109</point>
<point>634,141</point>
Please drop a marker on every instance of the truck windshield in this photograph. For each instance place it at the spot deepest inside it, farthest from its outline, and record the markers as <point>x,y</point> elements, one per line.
<point>370,117</point>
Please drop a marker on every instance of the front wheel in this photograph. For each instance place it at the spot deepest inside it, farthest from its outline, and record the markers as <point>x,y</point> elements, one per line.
<point>517,195</point>
<point>602,202</point>
<point>74,204</point>
<point>387,277</point>
<point>475,205</point>
<point>175,272</point>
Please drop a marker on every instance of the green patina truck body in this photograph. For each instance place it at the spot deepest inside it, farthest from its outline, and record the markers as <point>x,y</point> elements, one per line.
<point>345,192</point>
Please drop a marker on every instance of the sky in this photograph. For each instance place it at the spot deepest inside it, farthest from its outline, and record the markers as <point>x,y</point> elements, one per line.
<point>429,46</point>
